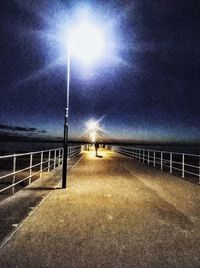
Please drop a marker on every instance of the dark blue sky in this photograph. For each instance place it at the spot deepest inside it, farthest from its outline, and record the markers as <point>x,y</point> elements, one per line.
<point>146,90</point>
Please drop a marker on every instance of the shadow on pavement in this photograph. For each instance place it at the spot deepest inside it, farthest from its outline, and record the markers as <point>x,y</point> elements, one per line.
<point>99,156</point>
<point>39,188</point>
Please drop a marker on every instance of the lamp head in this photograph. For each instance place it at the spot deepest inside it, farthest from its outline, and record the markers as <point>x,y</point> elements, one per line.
<point>86,42</point>
<point>92,125</point>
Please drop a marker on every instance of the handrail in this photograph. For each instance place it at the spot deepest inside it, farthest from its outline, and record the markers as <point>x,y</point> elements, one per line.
<point>22,154</point>
<point>187,164</point>
<point>151,150</point>
<point>38,162</point>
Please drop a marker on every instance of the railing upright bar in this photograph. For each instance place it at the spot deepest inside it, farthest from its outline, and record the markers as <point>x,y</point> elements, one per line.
<point>171,162</point>
<point>41,164</point>
<point>161,160</point>
<point>139,155</point>
<point>49,161</point>
<point>183,165</point>
<point>54,166</point>
<point>59,160</point>
<point>148,157</point>
<point>30,166</point>
<point>14,176</point>
<point>143,156</point>
<point>154,158</point>
<point>199,170</point>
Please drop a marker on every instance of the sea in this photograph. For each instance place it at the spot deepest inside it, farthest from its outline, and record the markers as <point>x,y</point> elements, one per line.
<point>12,147</point>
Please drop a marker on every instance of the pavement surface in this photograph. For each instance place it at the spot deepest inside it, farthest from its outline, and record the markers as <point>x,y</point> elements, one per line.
<point>15,208</point>
<point>116,212</point>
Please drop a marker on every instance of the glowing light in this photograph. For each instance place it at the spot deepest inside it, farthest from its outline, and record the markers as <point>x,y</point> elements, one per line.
<point>86,42</point>
<point>93,136</point>
<point>92,125</point>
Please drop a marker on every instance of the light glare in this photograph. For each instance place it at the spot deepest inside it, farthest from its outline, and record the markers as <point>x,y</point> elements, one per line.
<point>93,136</point>
<point>86,43</point>
<point>92,125</point>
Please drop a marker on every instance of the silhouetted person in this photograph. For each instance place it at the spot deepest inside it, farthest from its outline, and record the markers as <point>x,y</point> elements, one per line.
<point>96,145</point>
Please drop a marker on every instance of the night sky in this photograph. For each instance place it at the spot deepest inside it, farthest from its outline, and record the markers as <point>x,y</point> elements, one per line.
<point>145,89</point>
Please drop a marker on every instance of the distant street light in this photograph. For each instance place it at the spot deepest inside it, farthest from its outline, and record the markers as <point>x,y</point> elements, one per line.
<point>92,125</point>
<point>85,42</point>
<point>92,128</point>
<point>93,136</point>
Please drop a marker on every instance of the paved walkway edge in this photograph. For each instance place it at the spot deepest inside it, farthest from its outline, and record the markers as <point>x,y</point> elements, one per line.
<point>9,236</point>
<point>12,233</point>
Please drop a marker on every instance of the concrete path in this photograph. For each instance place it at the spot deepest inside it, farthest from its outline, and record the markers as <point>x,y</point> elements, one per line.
<point>115,213</point>
<point>15,208</point>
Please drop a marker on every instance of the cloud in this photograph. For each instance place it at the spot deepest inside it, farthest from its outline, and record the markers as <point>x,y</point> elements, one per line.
<point>20,129</point>
<point>42,131</point>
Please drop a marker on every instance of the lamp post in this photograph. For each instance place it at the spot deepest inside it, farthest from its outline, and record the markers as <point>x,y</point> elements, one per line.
<point>66,125</point>
<point>87,43</point>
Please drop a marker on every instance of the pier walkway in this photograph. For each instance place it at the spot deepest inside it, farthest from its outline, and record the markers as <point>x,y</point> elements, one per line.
<point>116,212</point>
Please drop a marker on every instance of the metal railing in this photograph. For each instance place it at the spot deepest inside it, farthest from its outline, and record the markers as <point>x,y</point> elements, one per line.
<point>182,164</point>
<point>18,169</point>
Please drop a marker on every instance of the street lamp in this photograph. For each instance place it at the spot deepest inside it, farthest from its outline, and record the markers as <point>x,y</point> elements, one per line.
<point>93,136</point>
<point>92,128</point>
<point>85,42</point>
<point>92,125</point>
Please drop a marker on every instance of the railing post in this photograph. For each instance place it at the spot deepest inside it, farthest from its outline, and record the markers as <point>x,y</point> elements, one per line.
<point>183,165</point>
<point>41,164</point>
<point>30,171</point>
<point>148,157</point>
<point>199,170</point>
<point>54,166</point>
<point>59,160</point>
<point>14,176</point>
<point>154,158</point>
<point>143,156</point>
<point>139,155</point>
<point>49,161</point>
<point>161,160</point>
<point>170,162</point>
